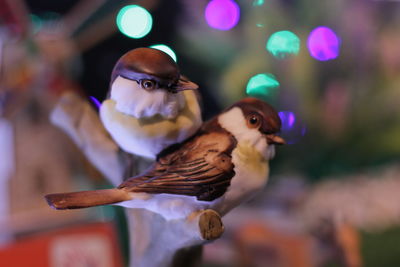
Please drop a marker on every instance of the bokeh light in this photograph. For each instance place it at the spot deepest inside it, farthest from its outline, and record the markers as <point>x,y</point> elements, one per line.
<point>258,2</point>
<point>323,44</point>
<point>263,84</point>
<point>95,101</point>
<point>288,119</point>
<point>165,49</point>
<point>283,44</point>
<point>292,129</point>
<point>222,14</point>
<point>36,23</point>
<point>50,22</point>
<point>134,21</point>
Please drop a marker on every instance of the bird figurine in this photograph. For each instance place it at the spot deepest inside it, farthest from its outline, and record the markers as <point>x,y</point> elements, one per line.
<point>150,105</point>
<point>223,164</point>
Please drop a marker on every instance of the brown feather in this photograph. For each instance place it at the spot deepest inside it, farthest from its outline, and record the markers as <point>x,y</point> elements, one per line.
<point>200,167</point>
<point>271,122</point>
<point>85,199</point>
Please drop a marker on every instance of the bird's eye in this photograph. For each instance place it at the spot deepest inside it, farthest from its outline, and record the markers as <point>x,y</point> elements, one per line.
<point>253,121</point>
<point>148,84</point>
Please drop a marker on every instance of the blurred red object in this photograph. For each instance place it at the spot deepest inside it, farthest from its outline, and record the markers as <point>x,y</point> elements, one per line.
<point>93,245</point>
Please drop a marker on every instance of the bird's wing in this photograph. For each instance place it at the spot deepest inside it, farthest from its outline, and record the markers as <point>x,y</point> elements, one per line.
<point>201,167</point>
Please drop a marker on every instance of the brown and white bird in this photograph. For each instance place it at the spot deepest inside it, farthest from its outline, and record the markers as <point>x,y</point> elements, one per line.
<point>219,167</point>
<point>150,105</point>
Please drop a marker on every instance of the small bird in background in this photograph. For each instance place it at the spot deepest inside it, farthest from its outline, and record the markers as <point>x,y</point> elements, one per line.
<point>150,104</point>
<point>222,165</point>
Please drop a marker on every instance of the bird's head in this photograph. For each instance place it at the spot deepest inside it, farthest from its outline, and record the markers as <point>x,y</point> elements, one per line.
<point>254,122</point>
<point>146,82</point>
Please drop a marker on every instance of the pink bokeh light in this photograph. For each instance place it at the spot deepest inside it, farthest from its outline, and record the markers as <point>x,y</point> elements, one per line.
<point>222,14</point>
<point>323,44</point>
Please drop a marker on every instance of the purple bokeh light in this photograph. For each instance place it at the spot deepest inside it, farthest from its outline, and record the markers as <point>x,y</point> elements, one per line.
<point>292,130</point>
<point>222,14</point>
<point>323,44</point>
<point>95,101</point>
<point>288,119</point>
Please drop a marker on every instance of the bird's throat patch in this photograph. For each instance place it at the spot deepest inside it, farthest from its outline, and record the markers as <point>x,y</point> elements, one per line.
<point>250,157</point>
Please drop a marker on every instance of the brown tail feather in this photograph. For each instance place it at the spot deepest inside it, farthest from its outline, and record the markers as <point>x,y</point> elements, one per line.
<point>85,199</point>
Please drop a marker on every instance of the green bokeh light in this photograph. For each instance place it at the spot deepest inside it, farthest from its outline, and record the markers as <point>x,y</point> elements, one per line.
<point>36,23</point>
<point>258,2</point>
<point>165,49</point>
<point>283,44</point>
<point>262,85</point>
<point>134,21</point>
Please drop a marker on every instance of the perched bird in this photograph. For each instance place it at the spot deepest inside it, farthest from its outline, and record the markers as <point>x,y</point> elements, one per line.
<point>223,164</point>
<point>150,104</point>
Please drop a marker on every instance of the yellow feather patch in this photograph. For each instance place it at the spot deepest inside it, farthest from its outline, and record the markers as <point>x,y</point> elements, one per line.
<point>251,158</point>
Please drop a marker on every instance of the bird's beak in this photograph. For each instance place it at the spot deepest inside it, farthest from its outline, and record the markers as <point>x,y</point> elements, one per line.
<point>275,140</point>
<point>184,84</point>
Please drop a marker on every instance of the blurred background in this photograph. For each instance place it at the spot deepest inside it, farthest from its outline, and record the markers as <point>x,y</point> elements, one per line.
<point>331,69</point>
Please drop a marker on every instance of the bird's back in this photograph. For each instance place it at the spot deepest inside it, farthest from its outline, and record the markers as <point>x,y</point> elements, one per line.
<point>201,167</point>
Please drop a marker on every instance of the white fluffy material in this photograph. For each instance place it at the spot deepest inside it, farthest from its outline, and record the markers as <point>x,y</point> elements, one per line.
<point>135,101</point>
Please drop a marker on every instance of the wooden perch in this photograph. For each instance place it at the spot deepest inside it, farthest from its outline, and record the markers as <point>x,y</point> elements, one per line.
<point>210,225</point>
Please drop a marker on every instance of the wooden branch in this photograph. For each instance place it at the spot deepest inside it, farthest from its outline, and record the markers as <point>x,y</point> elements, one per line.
<point>210,224</point>
<point>78,119</point>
